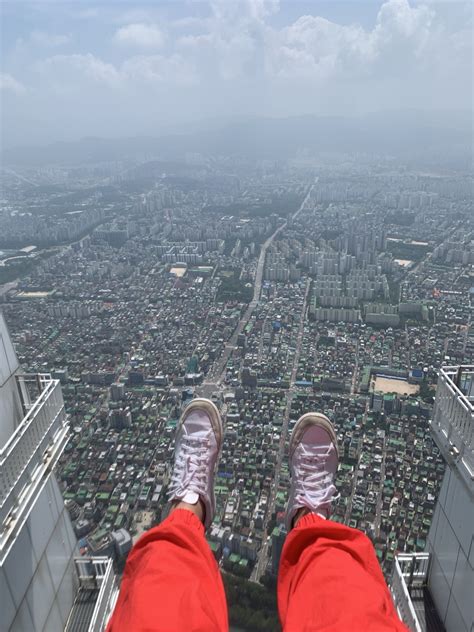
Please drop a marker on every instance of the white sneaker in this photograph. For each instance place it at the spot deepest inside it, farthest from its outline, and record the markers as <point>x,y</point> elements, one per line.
<point>313,464</point>
<point>198,443</point>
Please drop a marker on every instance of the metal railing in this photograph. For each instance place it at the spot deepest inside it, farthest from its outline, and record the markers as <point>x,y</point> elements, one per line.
<point>410,570</point>
<point>98,573</point>
<point>414,568</point>
<point>453,416</point>
<point>43,425</point>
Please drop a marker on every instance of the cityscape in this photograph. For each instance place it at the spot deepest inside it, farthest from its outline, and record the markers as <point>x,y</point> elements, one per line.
<point>276,290</point>
<point>232,232</point>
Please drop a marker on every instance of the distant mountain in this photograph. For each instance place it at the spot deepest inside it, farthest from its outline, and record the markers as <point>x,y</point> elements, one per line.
<point>408,134</point>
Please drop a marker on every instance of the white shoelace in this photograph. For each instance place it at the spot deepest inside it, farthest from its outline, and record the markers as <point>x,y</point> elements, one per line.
<point>191,467</point>
<point>314,483</point>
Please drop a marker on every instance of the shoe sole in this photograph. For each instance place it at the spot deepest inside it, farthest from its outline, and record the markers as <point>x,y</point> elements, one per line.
<point>202,403</point>
<point>306,421</point>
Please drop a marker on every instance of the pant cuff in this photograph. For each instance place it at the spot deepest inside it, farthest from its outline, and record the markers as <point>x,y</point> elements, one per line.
<point>308,520</point>
<point>185,517</point>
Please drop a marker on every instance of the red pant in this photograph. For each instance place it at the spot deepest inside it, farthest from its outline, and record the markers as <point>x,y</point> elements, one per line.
<point>329,580</point>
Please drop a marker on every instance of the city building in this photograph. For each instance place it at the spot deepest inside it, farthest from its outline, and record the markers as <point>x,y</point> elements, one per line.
<point>443,575</point>
<point>278,540</point>
<point>43,581</point>
<point>274,297</point>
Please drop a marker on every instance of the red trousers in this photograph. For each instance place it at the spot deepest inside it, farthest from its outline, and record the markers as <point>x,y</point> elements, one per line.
<point>329,580</point>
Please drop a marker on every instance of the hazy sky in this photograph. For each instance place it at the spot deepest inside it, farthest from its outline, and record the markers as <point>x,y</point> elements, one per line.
<point>73,69</point>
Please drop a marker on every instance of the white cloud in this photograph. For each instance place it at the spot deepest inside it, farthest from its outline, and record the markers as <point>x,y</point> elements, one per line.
<point>190,23</point>
<point>217,56</point>
<point>155,69</point>
<point>235,43</point>
<point>237,59</point>
<point>314,47</point>
<point>140,35</point>
<point>47,40</point>
<point>65,71</point>
<point>398,17</point>
<point>36,42</point>
<point>10,84</point>
<point>87,14</point>
<point>133,16</point>
<point>239,10</point>
<point>231,45</point>
<point>74,73</point>
<point>402,30</point>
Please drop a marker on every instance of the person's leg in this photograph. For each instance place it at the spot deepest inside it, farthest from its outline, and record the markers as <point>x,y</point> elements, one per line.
<point>171,580</point>
<point>329,576</point>
<point>330,580</point>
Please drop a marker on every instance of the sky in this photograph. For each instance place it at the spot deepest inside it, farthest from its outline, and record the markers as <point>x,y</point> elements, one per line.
<point>120,69</point>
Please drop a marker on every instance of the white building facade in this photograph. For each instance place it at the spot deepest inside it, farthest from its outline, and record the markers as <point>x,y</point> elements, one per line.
<point>444,573</point>
<point>41,576</point>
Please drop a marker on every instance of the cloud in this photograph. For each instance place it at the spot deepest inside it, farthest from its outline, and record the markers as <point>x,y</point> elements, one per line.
<point>140,36</point>
<point>190,23</point>
<point>10,84</point>
<point>237,59</point>
<point>65,71</point>
<point>238,10</point>
<point>232,44</point>
<point>70,73</point>
<point>314,47</point>
<point>398,17</point>
<point>155,69</point>
<point>402,30</point>
<point>47,40</point>
<point>87,14</point>
<point>236,44</point>
<point>27,47</point>
<point>136,15</point>
<point>221,57</point>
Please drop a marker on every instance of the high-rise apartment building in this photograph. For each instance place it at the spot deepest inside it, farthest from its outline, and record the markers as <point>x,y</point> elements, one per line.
<point>278,540</point>
<point>434,590</point>
<point>44,583</point>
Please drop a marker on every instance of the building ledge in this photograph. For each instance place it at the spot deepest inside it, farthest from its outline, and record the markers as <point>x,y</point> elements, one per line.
<point>31,452</point>
<point>411,594</point>
<point>96,597</point>
<point>453,419</point>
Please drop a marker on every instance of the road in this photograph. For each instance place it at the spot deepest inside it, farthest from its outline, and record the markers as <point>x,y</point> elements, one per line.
<point>359,449</point>
<point>19,176</point>
<point>260,566</point>
<point>216,375</point>
<point>217,372</point>
<point>378,511</point>
<point>355,373</point>
<point>356,468</point>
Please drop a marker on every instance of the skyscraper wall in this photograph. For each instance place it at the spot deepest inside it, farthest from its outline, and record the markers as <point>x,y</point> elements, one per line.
<point>38,583</point>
